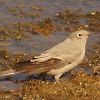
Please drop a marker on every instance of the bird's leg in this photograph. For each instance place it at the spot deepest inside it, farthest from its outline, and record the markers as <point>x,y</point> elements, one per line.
<point>57,77</point>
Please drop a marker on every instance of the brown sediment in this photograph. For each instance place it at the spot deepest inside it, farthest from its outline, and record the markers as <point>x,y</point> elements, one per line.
<point>82,86</point>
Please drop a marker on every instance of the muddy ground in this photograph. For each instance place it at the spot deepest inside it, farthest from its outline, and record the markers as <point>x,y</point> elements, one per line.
<point>28,28</point>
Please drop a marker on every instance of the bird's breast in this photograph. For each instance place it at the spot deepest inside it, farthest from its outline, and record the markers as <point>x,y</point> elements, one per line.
<point>67,67</point>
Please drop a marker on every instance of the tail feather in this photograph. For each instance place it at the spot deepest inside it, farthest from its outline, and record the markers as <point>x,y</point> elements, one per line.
<point>8,72</point>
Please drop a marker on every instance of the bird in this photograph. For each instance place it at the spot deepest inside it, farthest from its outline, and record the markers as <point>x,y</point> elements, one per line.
<point>57,60</point>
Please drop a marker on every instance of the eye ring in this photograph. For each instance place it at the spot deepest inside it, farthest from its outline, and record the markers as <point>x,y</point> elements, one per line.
<point>80,35</point>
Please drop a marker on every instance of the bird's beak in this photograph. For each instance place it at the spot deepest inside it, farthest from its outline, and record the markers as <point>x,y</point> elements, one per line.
<point>90,34</point>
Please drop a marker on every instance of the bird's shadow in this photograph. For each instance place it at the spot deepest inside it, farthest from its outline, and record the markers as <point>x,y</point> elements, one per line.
<point>21,77</point>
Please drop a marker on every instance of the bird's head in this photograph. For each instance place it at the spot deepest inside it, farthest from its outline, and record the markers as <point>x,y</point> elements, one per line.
<point>80,35</point>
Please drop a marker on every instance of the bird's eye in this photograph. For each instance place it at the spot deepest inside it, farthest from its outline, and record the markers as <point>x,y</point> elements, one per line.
<point>79,35</point>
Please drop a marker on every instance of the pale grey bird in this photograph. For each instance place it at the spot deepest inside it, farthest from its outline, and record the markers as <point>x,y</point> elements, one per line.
<point>57,60</point>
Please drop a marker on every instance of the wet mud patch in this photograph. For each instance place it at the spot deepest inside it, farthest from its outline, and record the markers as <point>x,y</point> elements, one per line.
<point>29,28</point>
<point>82,86</point>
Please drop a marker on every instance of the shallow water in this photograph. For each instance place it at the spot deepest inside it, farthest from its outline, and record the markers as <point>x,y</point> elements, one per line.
<point>51,7</point>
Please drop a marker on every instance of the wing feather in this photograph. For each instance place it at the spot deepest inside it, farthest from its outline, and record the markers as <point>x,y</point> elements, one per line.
<point>45,62</point>
<point>29,67</point>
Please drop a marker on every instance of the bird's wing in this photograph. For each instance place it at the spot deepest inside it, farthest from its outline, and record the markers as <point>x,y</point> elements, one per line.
<point>43,57</point>
<point>28,67</point>
<point>45,62</point>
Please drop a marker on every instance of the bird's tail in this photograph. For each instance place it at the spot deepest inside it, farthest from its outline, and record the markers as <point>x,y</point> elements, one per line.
<point>8,72</point>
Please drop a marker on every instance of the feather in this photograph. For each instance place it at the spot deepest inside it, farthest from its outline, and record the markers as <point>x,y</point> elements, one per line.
<point>7,72</point>
<point>43,63</point>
